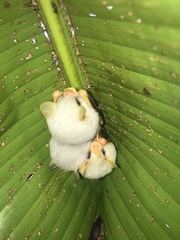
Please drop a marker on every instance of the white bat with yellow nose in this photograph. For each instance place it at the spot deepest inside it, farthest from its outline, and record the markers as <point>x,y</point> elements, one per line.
<point>101,162</point>
<point>70,117</point>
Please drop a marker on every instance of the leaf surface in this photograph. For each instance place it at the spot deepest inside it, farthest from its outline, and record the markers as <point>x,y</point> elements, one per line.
<point>129,61</point>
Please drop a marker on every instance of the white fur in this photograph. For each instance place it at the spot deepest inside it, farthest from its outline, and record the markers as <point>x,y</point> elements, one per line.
<point>68,157</point>
<point>110,151</point>
<point>64,123</point>
<point>98,167</point>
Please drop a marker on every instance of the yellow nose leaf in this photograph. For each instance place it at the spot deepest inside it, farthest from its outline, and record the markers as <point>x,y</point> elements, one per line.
<point>96,148</point>
<point>70,92</point>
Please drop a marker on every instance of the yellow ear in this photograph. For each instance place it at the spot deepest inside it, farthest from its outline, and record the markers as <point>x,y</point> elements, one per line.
<point>111,163</point>
<point>83,167</point>
<point>82,113</point>
<point>84,95</point>
<point>56,95</point>
<point>47,108</point>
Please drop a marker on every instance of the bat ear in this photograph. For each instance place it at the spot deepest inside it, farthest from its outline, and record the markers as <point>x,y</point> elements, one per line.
<point>84,95</point>
<point>83,168</point>
<point>82,113</point>
<point>47,108</point>
<point>56,95</point>
<point>112,163</point>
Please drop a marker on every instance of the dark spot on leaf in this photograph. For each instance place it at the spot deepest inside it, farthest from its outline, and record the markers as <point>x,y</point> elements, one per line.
<point>54,7</point>
<point>31,175</point>
<point>26,90</point>
<point>11,191</point>
<point>97,231</point>
<point>6,4</point>
<point>38,165</point>
<point>146,91</point>
<point>107,191</point>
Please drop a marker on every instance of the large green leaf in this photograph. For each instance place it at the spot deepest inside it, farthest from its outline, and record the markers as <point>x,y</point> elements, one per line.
<point>129,61</point>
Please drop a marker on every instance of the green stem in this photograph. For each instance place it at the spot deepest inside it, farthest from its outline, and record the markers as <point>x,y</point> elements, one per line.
<point>64,46</point>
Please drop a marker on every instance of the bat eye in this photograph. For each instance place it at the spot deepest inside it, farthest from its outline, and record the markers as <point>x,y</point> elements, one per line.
<point>78,102</point>
<point>89,155</point>
<point>103,152</point>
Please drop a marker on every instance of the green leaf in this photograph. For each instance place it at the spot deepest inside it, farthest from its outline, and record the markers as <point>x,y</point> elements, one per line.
<point>127,55</point>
